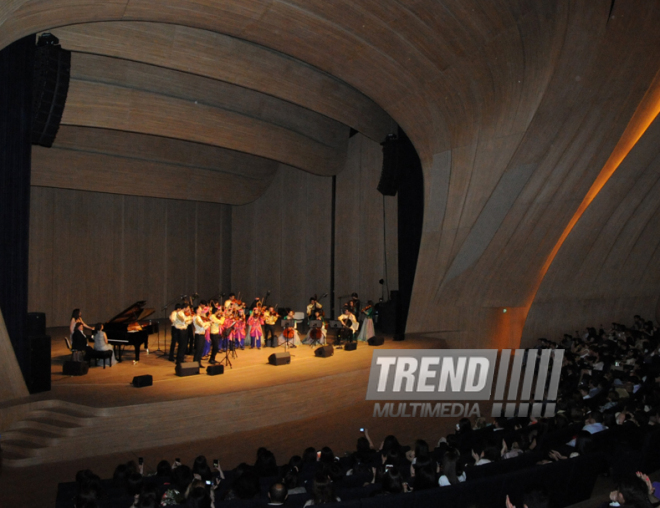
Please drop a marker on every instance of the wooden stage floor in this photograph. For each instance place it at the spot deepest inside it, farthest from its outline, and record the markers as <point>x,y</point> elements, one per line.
<point>111,387</point>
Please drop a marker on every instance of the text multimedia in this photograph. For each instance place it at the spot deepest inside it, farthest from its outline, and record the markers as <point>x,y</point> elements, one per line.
<point>425,410</point>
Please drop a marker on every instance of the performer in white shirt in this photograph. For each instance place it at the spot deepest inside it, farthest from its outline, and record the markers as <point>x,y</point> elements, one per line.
<point>174,333</point>
<point>201,324</point>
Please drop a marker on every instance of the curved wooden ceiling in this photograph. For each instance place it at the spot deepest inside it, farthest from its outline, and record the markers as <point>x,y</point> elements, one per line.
<point>514,106</point>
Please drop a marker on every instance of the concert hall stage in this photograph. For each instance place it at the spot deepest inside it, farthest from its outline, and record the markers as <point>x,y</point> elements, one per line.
<point>102,413</point>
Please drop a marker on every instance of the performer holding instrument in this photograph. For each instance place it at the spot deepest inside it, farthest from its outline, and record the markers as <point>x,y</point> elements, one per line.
<point>367,331</point>
<point>348,320</point>
<point>201,325</point>
<point>255,321</point>
<point>239,328</point>
<point>182,323</point>
<point>317,334</point>
<point>217,320</point>
<point>270,318</point>
<point>313,306</point>
<point>174,335</point>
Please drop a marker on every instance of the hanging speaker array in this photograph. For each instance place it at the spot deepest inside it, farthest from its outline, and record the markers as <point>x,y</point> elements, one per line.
<point>50,86</point>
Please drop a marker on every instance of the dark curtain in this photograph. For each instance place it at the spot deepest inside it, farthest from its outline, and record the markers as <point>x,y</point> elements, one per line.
<point>16,63</point>
<point>411,217</point>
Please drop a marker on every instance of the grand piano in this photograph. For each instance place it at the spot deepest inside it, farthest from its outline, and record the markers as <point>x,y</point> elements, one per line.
<point>130,328</point>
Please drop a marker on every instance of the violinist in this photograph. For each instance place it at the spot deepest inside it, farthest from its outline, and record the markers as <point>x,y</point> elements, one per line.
<point>239,328</point>
<point>182,323</point>
<point>190,332</point>
<point>255,321</point>
<point>354,305</point>
<point>367,331</point>
<point>230,301</point>
<point>217,320</point>
<point>228,331</point>
<point>175,333</point>
<point>313,306</point>
<point>201,325</point>
<point>270,318</point>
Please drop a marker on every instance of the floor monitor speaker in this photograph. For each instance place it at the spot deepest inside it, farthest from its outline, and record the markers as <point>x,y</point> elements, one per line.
<point>279,359</point>
<point>71,368</point>
<point>145,380</point>
<point>324,351</point>
<point>350,346</point>
<point>376,341</point>
<point>214,370</point>
<point>187,369</point>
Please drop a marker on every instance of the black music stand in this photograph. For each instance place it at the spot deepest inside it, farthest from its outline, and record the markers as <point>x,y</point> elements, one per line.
<point>231,347</point>
<point>287,323</point>
<point>158,349</point>
<point>315,323</point>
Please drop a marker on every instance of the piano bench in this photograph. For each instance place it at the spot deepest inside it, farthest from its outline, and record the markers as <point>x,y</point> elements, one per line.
<point>92,354</point>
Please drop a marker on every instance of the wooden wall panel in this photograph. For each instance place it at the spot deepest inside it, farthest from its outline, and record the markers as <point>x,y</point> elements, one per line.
<point>244,250</point>
<point>608,269</point>
<point>102,252</point>
<point>360,248</point>
<point>99,105</point>
<point>181,248</point>
<point>282,241</point>
<point>232,60</point>
<point>144,232</point>
<point>295,231</point>
<point>209,250</point>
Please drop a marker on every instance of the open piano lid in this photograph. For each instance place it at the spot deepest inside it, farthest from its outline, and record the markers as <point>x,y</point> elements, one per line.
<point>135,312</point>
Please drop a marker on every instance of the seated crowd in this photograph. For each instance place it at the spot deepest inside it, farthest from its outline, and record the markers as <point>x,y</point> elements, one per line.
<point>608,407</point>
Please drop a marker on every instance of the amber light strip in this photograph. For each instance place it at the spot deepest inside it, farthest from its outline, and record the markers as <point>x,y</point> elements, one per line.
<point>646,112</point>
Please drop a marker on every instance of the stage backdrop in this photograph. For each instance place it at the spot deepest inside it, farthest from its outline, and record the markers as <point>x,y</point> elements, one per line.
<point>283,240</point>
<point>102,252</point>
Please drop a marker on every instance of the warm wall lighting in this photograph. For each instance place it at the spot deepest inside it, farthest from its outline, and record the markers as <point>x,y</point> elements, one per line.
<point>647,111</point>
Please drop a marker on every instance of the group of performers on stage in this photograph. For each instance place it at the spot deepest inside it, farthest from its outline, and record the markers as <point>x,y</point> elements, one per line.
<point>213,326</point>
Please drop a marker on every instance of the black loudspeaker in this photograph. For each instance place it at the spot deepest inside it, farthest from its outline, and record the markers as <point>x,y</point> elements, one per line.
<point>214,370</point>
<point>324,351</point>
<point>389,176</point>
<point>36,324</point>
<point>140,381</point>
<point>387,317</point>
<point>399,336</point>
<point>350,346</point>
<point>187,369</point>
<point>38,377</point>
<point>376,341</point>
<point>71,368</point>
<point>279,359</point>
<point>50,86</point>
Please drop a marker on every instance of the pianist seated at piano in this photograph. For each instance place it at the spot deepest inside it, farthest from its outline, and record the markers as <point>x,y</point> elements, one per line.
<point>101,342</point>
<point>78,338</point>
